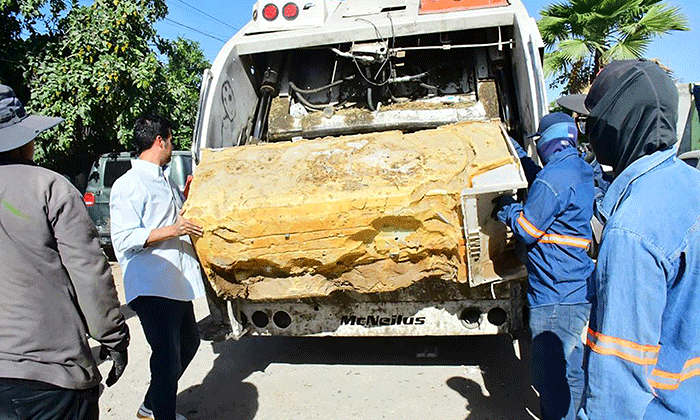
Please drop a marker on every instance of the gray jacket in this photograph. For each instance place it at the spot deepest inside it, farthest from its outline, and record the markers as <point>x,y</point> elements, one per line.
<point>56,286</point>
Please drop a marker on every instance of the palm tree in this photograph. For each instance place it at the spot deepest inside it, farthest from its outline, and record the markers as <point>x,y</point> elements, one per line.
<point>584,35</point>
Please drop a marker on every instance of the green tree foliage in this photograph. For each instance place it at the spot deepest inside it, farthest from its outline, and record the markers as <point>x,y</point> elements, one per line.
<point>584,35</point>
<point>10,44</point>
<point>23,16</point>
<point>99,75</point>
<point>99,69</point>
<point>183,77</point>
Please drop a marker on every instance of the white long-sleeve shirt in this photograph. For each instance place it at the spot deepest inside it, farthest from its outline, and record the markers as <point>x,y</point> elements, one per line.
<point>143,199</point>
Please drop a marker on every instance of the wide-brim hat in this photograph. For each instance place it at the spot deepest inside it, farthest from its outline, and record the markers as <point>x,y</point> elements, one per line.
<point>17,128</point>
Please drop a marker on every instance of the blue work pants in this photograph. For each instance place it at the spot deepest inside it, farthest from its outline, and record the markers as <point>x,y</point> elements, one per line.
<point>557,358</point>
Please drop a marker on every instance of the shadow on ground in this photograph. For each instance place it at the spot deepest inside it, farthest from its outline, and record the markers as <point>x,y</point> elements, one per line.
<point>228,396</point>
<point>508,395</point>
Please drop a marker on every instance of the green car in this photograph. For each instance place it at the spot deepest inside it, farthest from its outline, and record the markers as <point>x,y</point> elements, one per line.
<point>107,169</point>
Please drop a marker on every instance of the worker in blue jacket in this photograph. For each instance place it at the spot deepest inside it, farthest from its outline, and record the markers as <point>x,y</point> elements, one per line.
<point>643,347</point>
<point>554,225</point>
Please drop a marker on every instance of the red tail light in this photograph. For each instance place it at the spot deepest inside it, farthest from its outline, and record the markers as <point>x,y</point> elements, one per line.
<point>186,193</point>
<point>89,199</point>
<point>270,12</point>
<point>290,11</point>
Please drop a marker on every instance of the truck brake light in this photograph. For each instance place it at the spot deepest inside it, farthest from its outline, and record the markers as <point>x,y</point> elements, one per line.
<point>290,11</point>
<point>270,12</point>
<point>89,199</point>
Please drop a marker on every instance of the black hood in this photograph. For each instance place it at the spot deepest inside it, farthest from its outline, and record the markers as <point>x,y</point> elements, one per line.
<point>635,117</point>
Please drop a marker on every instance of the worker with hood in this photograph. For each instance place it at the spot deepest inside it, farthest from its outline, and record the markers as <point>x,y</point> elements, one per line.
<point>554,224</point>
<point>643,348</point>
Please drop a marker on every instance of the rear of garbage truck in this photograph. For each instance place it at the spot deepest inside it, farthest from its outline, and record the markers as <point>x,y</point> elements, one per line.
<point>347,155</point>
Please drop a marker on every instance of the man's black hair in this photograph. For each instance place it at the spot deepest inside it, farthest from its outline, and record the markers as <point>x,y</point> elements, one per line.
<point>146,129</point>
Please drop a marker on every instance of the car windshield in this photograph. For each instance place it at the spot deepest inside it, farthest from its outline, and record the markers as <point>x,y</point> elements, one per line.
<point>114,169</point>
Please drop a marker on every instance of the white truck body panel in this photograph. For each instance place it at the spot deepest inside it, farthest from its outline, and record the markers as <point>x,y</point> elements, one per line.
<point>223,116</point>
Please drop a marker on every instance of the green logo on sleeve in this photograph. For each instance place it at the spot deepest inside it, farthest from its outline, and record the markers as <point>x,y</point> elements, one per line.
<point>14,211</point>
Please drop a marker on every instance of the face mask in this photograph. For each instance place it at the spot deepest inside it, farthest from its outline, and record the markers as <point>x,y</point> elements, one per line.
<point>556,138</point>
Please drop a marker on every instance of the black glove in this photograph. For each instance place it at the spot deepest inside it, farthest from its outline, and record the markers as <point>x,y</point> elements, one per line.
<point>119,362</point>
<point>499,203</point>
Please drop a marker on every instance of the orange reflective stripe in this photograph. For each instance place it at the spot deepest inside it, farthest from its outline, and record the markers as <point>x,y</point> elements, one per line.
<point>645,355</point>
<point>662,374</point>
<point>665,387</point>
<point>551,238</point>
<point>677,383</point>
<point>671,380</point>
<point>645,361</point>
<point>565,240</point>
<point>687,367</point>
<point>529,227</point>
<point>625,343</point>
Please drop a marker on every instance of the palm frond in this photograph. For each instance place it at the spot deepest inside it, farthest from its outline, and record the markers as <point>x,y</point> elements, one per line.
<point>575,49</point>
<point>627,50</point>
<point>582,33</point>
<point>613,10</point>
<point>554,63</point>
<point>558,10</point>
<point>552,29</point>
<point>650,2</point>
<point>660,19</point>
<point>618,52</point>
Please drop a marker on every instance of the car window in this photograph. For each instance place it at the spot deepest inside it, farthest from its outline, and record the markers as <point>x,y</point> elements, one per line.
<point>187,165</point>
<point>180,167</point>
<point>114,169</point>
<point>692,161</point>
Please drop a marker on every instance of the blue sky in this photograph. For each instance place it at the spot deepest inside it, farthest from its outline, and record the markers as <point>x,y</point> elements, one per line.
<point>211,19</point>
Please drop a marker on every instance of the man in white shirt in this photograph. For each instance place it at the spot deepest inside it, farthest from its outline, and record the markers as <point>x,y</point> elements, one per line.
<point>161,272</point>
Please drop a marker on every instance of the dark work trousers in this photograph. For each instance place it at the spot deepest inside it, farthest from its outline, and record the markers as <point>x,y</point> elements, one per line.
<point>171,331</point>
<point>30,400</point>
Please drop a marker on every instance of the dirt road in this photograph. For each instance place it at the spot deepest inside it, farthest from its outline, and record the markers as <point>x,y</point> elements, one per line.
<point>331,378</point>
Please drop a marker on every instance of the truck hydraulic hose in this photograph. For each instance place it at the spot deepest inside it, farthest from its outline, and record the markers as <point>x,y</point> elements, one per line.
<point>261,114</point>
<point>268,90</point>
<point>320,89</point>
<point>305,102</point>
<point>404,79</point>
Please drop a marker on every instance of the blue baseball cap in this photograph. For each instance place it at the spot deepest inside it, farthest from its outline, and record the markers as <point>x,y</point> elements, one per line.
<point>557,131</point>
<point>550,120</point>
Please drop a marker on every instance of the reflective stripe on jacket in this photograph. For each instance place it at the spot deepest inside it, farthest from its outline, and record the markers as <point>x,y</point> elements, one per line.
<point>554,224</point>
<point>643,357</point>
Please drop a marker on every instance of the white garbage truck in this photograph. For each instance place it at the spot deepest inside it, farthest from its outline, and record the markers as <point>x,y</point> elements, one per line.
<point>347,154</point>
